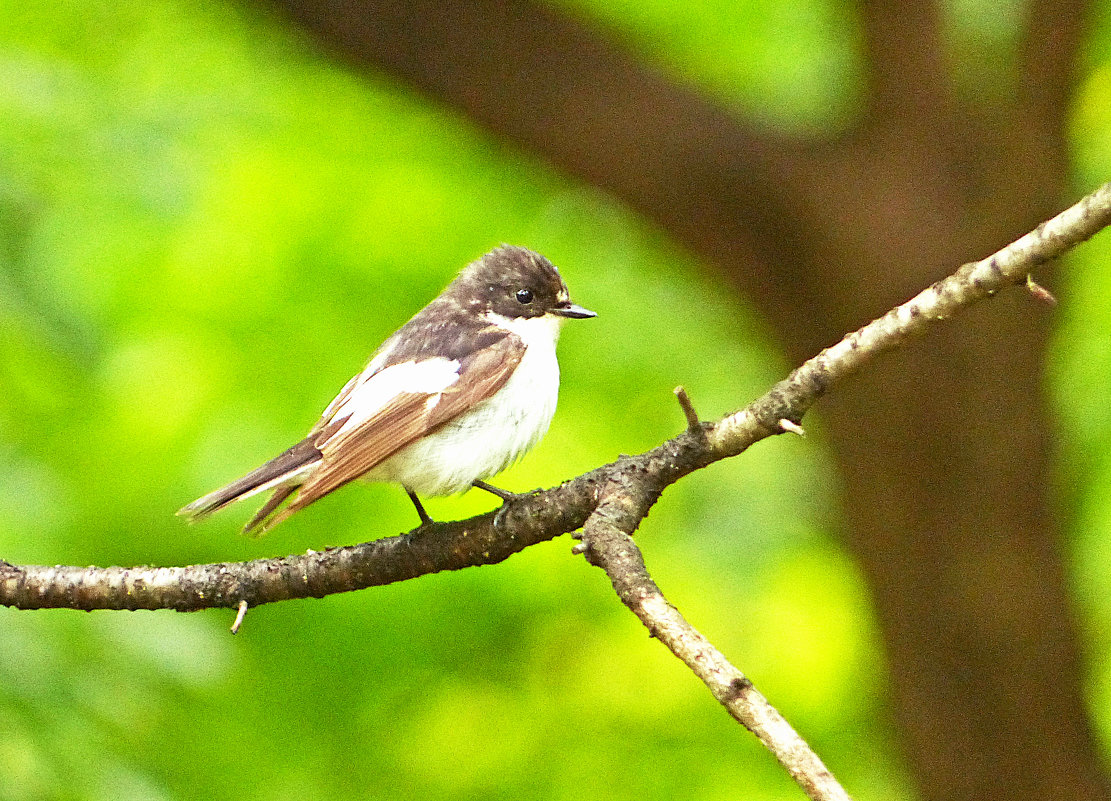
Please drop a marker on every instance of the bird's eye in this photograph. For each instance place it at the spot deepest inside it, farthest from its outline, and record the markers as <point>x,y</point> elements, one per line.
<point>524,296</point>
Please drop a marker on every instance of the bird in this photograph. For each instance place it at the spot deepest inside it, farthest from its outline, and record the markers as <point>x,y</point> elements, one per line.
<point>456,395</point>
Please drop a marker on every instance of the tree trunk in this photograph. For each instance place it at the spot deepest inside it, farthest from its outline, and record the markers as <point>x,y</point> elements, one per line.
<point>944,447</point>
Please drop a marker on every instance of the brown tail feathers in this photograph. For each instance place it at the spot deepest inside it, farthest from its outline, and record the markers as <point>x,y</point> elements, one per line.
<point>283,474</point>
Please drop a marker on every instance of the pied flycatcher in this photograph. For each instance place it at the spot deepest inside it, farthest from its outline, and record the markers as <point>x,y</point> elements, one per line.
<point>457,394</point>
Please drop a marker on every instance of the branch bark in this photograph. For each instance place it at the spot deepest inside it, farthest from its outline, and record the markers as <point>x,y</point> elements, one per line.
<point>608,503</point>
<point>607,543</point>
<point>544,515</point>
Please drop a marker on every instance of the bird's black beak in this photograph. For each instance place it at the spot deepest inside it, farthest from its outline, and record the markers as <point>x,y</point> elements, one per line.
<point>573,311</point>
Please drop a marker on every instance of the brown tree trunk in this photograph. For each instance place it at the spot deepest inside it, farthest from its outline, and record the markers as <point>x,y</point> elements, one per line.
<point>944,446</point>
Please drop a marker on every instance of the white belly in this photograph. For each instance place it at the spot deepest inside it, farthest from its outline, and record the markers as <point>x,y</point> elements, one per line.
<point>490,437</point>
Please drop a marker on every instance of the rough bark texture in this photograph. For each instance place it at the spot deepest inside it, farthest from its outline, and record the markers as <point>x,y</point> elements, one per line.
<point>613,498</point>
<point>945,447</point>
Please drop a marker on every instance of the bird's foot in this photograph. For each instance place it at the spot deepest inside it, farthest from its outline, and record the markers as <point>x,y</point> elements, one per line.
<point>424,518</point>
<point>505,495</point>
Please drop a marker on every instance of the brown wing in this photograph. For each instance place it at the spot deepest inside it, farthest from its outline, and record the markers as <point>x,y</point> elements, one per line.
<point>406,418</point>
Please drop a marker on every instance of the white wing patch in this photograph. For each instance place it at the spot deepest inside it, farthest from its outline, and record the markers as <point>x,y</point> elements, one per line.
<point>493,434</point>
<point>431,376</point>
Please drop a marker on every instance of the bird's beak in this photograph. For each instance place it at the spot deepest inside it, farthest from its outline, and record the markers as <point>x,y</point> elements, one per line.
<point>573,311</point>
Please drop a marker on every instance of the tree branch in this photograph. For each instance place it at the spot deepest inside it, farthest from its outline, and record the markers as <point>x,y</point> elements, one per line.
<point>608,503</point>
<point>607,543</point>
<point>492,537</point>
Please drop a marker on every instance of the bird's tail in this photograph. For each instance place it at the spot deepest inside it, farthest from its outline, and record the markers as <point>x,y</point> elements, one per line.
<point>284,474</point>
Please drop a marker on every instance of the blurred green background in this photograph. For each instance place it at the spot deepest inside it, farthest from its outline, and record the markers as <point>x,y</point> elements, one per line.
<point>206,227</point>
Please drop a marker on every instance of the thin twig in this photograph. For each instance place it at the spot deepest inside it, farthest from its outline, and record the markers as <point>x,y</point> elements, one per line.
<point>792,427</point>
<point>694,425</point>
<point>242,613</point>
<point>1040,292</point>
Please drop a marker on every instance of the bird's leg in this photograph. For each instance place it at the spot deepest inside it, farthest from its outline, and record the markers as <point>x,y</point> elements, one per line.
<point>505,495</point>
<point>424,518</point>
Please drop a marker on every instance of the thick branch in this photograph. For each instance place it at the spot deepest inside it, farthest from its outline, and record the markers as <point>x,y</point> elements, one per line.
<point>906,60</point>
<point>555,85</point>
<point>493,537</point>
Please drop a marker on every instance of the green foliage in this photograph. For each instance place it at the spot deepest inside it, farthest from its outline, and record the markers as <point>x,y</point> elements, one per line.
<point>205,228</point>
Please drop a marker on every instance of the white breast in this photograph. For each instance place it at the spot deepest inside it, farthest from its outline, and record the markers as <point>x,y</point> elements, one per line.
<point>497,432</point>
